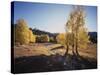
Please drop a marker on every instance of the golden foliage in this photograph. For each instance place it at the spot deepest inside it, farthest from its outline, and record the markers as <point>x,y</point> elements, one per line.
<point>22,33</point>
<point>76,30</point>
<point>42,38</point>
<point>60,38</point>
<point>32,37</point>
<point>83,38</point>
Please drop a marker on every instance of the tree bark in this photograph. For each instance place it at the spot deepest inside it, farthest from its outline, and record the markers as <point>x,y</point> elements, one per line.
<point>76,42</point>
<point>73,43</point>
<point>66,53</point>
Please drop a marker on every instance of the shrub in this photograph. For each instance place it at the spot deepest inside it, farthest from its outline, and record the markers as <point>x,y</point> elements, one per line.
<point>42,38</point>
<point>52,40</point>
<point>60,38</point>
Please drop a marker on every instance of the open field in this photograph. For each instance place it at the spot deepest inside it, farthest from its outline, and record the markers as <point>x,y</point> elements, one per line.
<point>44,57</point>
<point>51,49</point>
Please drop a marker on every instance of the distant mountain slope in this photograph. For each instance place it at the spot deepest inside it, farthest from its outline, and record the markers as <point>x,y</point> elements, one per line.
<point>93,36</point>
<point>41,32</point>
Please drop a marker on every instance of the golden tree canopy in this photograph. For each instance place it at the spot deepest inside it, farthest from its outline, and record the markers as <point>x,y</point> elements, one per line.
<point>22,33</point>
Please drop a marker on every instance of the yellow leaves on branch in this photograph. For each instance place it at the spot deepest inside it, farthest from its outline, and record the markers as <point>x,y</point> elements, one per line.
<point>31,36</point>
<point>83,38</point>
<point>61,38</point>
<point>22,33</point>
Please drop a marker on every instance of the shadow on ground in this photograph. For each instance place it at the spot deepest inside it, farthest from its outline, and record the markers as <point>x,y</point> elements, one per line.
<point>52,63</point>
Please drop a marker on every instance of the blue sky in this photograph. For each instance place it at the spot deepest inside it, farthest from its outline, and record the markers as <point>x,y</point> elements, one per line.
<point>51,17</point>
